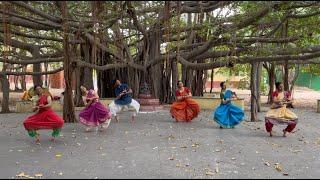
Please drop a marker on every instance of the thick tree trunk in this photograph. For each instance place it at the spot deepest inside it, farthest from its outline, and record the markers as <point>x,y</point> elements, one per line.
<point>259,76</point>
<point>254,95</point>
<point>174,80</point>
<point>211,77</point>
<point>87,72</point>
<point>78,96</point>
<point>156,73</point>
<point>16,83</point>
<point>272,81</point>
<point>296,75</point>
<point>286,76</point>
<point>68,106</point>
<point>36,68</point>
<point>37,78</point>
<point>5,95</point>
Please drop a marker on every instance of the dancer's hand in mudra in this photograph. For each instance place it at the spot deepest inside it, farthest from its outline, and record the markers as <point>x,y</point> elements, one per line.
<point>36,108</point>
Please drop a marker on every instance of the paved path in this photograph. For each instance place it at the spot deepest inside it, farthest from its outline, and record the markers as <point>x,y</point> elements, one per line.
<point>157,147</point>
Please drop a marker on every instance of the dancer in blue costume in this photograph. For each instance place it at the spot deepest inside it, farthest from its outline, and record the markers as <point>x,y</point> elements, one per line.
<point>227,115</point>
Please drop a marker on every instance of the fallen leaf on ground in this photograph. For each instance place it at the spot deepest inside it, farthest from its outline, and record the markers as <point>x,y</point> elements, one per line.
<point>38,175</point>
<point>233,158</point>
<point>21,174</point>
<point>58,155</point>
<point>209,173</point>
<point>196,145</point>
<point>285,174</point>
<point>171,137</point>
<point>60,173</point>
<point>295,151</point>
<point>278,167</point>
<point>267,163</point>
<point>217,169</point>
<point>217,150</point>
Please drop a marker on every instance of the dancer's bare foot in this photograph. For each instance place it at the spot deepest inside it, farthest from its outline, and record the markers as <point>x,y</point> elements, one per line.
<point>284,133</point>
<point>117,120</point>
<point>101,128</point>
<point>37,139</point>
<point>271,134</point>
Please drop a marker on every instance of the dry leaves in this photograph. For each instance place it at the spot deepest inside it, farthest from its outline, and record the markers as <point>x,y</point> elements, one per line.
<point>217,169</point>
<point>171,137</point>
<point>24,175</point>
<point>38,175</point>
<point>196,145</point>
<point>21,174</point>
<point>209,173</point>
<point>278,167</point>
<point>58,155</point>
<point>267,163</point>
<point>295,151</point>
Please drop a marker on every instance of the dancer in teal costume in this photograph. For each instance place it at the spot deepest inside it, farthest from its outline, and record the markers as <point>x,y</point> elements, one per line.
<point>227,115</point>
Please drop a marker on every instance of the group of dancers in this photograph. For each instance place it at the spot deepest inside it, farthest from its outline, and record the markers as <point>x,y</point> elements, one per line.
<point>184,109</point>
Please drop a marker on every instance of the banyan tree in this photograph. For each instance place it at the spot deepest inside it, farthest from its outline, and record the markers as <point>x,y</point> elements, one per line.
<point>153,42</point>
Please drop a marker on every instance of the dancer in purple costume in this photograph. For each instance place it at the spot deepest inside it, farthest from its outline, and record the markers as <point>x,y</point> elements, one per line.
<point>95,113</point>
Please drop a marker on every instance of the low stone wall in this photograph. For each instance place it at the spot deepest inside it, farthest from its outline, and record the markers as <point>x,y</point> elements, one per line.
<point>26,106</point>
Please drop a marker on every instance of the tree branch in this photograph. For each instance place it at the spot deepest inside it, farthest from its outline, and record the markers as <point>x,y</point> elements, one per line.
<point>31,73</point>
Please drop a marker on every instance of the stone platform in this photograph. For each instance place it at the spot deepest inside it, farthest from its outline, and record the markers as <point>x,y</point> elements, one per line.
<point>147,103</point>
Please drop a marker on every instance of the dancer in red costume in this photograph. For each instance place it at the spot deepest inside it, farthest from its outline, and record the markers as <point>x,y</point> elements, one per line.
<point>45,118</point>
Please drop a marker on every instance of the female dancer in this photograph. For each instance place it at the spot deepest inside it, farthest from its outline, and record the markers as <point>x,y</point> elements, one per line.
<point>95,113</point>
<point>227,115</point>
<point>279,114</point>
<point>184,109</point>
<point>45,118</point>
